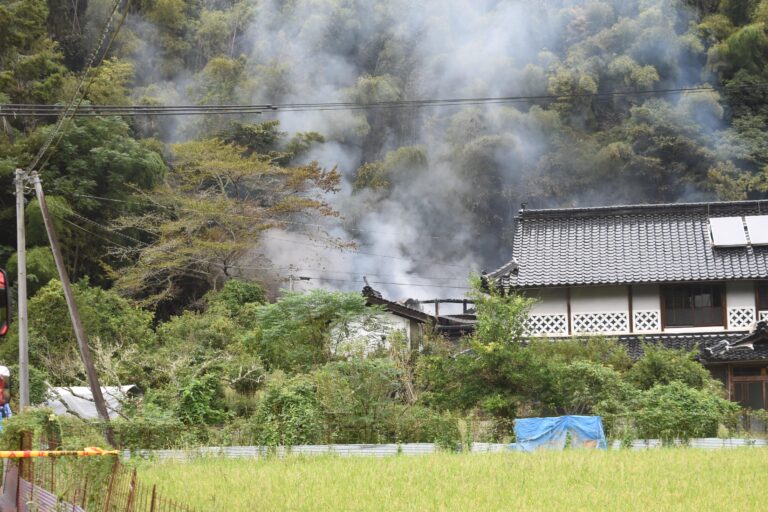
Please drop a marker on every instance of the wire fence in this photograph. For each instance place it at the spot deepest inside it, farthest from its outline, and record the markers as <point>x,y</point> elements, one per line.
<point>79,484</point>
<point>126,493</point>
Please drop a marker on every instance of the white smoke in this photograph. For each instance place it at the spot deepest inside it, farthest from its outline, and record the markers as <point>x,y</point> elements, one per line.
<point>450,212</point>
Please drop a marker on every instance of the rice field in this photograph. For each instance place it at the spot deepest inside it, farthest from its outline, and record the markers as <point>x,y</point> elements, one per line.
<point>661,479</point>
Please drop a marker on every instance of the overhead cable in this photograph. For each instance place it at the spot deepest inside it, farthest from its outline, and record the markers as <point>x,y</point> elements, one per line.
<point>285,240</point>
<point>71,212</point>
<point>237,109</point>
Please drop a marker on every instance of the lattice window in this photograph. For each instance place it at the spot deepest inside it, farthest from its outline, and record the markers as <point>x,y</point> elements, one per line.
<point>646,321</point>
<point>539,325</point>
<point>600,322</point>
<point>763,316</point>
<point>740,318</point>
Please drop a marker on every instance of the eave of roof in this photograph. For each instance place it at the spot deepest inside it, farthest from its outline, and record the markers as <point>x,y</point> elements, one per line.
<point>634,209</point>
<point>701,341</point>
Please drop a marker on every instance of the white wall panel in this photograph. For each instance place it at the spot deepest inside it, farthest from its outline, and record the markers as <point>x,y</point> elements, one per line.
<point>645,297</point>
<point>740,294</point>
<point>549,301</point>
<point>599,299</point>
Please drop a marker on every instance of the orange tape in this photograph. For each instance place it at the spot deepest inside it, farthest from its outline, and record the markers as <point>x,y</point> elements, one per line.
<point>28,454</point>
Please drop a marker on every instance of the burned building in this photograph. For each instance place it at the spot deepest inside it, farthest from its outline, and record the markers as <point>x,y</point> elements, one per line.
<point>410,318</point>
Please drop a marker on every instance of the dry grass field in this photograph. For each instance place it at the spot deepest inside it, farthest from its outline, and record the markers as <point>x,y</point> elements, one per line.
<point>662,479</point>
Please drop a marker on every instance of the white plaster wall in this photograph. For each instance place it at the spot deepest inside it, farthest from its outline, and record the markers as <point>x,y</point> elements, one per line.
<point>599,299</point>
<point>645,297</point>
<point>549,301</point>
<point>740,294</point>
<point>363,338</point>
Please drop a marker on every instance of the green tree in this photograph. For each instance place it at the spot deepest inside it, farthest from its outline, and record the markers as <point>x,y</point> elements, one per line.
<point>114,326</point>
<point>303,329</point>
<point>31,70</point>
<point>501,317</point>
<point>40,268</point>
<point>214,206</point>
<point>661,366</point>
<point>288,413</point>
<point>96,166</point>
<point>584,387</point>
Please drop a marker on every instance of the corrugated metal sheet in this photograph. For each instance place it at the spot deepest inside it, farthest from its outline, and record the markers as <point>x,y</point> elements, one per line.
<point>40,500</point>
<point>704,442</point>
<point>388,450</point>
<point>488,447</point>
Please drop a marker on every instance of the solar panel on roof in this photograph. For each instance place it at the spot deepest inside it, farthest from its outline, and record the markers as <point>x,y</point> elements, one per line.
<point>757,226</point>
<point>727,232</point>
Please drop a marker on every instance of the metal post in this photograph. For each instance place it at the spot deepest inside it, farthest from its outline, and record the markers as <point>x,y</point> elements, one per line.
<point>74,314</point>
<point>21,288</point>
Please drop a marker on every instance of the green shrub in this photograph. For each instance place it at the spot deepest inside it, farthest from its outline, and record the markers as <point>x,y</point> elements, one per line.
<point>661,365</point>
<point>581,387</point>
<point>34,419</point>
<point>38,389</point>
<point>201,401</point>
<point>676,411</point>
<point>288,413</point>
<point>597,349</point>
<point>150,428</point>
<point>358,399</point>
<point>234,295</point>
<point>418,424</point>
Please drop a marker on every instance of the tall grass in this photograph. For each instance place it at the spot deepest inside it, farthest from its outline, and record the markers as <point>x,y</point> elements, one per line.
<point>664,479</point>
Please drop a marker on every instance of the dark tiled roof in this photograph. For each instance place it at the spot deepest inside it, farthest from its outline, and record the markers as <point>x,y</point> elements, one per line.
<point>628,244</point>
<point>634,344</point>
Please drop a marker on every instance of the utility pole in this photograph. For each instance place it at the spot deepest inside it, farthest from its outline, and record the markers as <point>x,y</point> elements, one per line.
<point>21,288</point>
<point>74,314</point>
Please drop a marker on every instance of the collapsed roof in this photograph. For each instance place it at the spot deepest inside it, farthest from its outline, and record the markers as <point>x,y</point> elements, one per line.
<point>628,244</point>
<point>452,326</point>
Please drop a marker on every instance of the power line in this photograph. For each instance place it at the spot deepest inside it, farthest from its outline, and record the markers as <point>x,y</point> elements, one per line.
<point>314,278</point>
<point>291,222</point>
<point>395,284</point>
<point>389,256</point>
<point>242,267</point>
<point>18,109</point>
<point>295,242</point>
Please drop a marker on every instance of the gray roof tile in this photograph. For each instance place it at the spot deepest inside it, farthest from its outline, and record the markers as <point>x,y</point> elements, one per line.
<point>634,344</point>
<point>629,244</point>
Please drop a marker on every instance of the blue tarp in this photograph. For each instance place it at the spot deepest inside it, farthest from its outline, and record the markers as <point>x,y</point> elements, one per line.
<point>535,433</point>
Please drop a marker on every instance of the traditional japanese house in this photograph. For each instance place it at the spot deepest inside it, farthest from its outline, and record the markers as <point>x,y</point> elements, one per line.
<point>691,276</point>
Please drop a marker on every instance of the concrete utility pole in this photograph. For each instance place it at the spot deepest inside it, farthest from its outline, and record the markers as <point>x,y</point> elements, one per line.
<point>21,288</point>
<point>74,314</point>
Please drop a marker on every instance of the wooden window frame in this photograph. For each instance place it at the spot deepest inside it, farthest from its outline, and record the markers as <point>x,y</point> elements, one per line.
<point>757,285</point>
<point>733,380</point>
<point>723,300</point>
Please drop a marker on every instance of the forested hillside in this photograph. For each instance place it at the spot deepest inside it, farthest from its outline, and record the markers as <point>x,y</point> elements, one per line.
<point>616,102</point>
<point>450,178</point>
